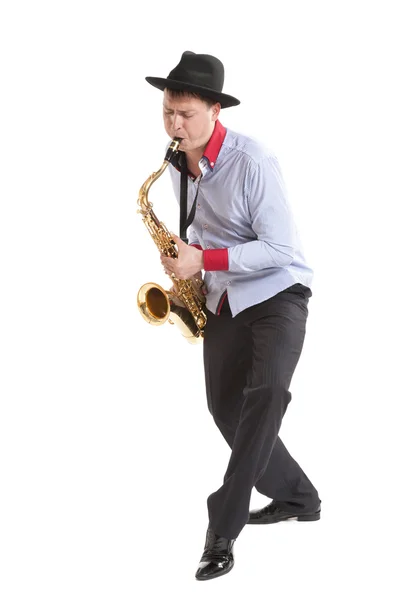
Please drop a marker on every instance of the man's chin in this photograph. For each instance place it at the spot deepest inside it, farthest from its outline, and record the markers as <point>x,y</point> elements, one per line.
<point>184,145</point>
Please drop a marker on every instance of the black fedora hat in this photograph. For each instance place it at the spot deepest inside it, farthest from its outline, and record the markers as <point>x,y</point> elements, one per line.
<point>199,73</point>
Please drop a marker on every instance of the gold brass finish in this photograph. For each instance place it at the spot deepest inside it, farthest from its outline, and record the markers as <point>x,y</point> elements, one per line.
<point>183,306</point>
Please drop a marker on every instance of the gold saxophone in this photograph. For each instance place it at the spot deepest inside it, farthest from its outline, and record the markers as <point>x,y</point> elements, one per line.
<point>183,306</point>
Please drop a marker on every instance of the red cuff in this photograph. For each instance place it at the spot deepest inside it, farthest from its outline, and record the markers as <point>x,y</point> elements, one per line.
<point>216,259</point>
<point>196,246</point>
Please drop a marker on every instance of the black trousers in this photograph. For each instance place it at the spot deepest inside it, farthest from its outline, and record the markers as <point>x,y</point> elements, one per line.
<point>249,361</point>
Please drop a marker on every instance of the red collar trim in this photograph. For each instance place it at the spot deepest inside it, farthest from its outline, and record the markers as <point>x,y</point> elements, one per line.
<point>214,144</point>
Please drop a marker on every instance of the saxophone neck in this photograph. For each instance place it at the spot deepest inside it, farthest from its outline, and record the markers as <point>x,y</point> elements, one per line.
<point>144,190</point>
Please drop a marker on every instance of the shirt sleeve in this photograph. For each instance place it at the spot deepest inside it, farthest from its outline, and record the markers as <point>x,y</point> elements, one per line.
<point>193,240</point>
<point>214,260</point>
<point>271,221</point>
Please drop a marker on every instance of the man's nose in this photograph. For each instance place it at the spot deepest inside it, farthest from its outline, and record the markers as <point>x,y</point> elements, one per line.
<point>177,122</point>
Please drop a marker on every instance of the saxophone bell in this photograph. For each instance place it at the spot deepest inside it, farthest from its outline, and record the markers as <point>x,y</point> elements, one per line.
<point>156,306</point>
<point>153,303</point>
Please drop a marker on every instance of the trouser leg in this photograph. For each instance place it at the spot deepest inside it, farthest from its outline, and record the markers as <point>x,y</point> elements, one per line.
<point>285,481</point>
<point>249,362</point>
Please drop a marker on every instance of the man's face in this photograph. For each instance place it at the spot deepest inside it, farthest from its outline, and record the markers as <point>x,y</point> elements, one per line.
<point>190,119</point>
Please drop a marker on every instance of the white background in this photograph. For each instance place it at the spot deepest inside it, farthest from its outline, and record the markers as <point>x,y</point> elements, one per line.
<point>108,452</point>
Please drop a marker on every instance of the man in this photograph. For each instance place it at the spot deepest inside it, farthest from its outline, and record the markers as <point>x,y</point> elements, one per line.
<point>257,290</point>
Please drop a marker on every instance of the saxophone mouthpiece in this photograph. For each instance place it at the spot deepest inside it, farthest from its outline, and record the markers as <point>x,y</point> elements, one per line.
<point>173,149</point>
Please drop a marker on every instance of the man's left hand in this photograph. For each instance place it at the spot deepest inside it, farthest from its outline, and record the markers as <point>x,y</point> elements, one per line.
<point>189,262</point>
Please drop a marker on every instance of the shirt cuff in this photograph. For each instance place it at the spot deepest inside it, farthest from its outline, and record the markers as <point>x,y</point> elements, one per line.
<point>196,246</point>
<point>216,259</point>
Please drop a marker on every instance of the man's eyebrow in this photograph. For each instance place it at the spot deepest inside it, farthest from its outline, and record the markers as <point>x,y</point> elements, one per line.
<point>181,112</point>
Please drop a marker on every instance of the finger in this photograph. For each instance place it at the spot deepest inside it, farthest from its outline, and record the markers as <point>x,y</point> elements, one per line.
<point>169,272</point>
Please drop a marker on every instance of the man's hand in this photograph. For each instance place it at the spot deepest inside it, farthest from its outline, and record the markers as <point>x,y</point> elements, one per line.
<point>189,262</point>
<point>199,283</point>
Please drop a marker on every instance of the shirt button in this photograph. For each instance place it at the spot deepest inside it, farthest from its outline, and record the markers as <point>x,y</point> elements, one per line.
<point>208,247</point>
<point>212,164</point>
<point>205,226</point>
<point>198,206</point>
<point>228,283</point>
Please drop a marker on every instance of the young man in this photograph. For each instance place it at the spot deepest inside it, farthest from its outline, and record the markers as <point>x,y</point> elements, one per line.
<point>257,290</point>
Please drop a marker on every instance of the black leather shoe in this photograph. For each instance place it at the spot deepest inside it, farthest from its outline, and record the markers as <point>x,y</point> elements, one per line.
<point>217,557</point>
<point>273,514</point>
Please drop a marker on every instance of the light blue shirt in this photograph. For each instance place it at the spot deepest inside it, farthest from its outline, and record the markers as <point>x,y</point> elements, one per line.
<point>242,205</point>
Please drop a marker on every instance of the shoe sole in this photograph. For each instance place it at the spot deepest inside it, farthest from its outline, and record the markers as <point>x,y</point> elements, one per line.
<point>312,517</point>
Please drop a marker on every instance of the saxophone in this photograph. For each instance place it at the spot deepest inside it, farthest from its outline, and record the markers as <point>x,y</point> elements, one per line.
<point>184,306</point>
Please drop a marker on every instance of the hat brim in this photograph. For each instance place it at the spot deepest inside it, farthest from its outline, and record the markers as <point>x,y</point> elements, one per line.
<point>224,99</point>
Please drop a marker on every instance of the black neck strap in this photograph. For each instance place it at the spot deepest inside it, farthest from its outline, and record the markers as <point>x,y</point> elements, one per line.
<point>185,221</point>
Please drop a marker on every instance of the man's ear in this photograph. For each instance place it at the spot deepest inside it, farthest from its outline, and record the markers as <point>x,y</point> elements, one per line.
<point>216,109</point>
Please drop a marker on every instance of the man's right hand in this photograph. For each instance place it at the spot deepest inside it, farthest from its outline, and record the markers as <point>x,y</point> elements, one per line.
<point>198,283</point>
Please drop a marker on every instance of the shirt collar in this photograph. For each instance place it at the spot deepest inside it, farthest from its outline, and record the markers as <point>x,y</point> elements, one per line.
<point>214,143</point>
<point>211,150</point>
